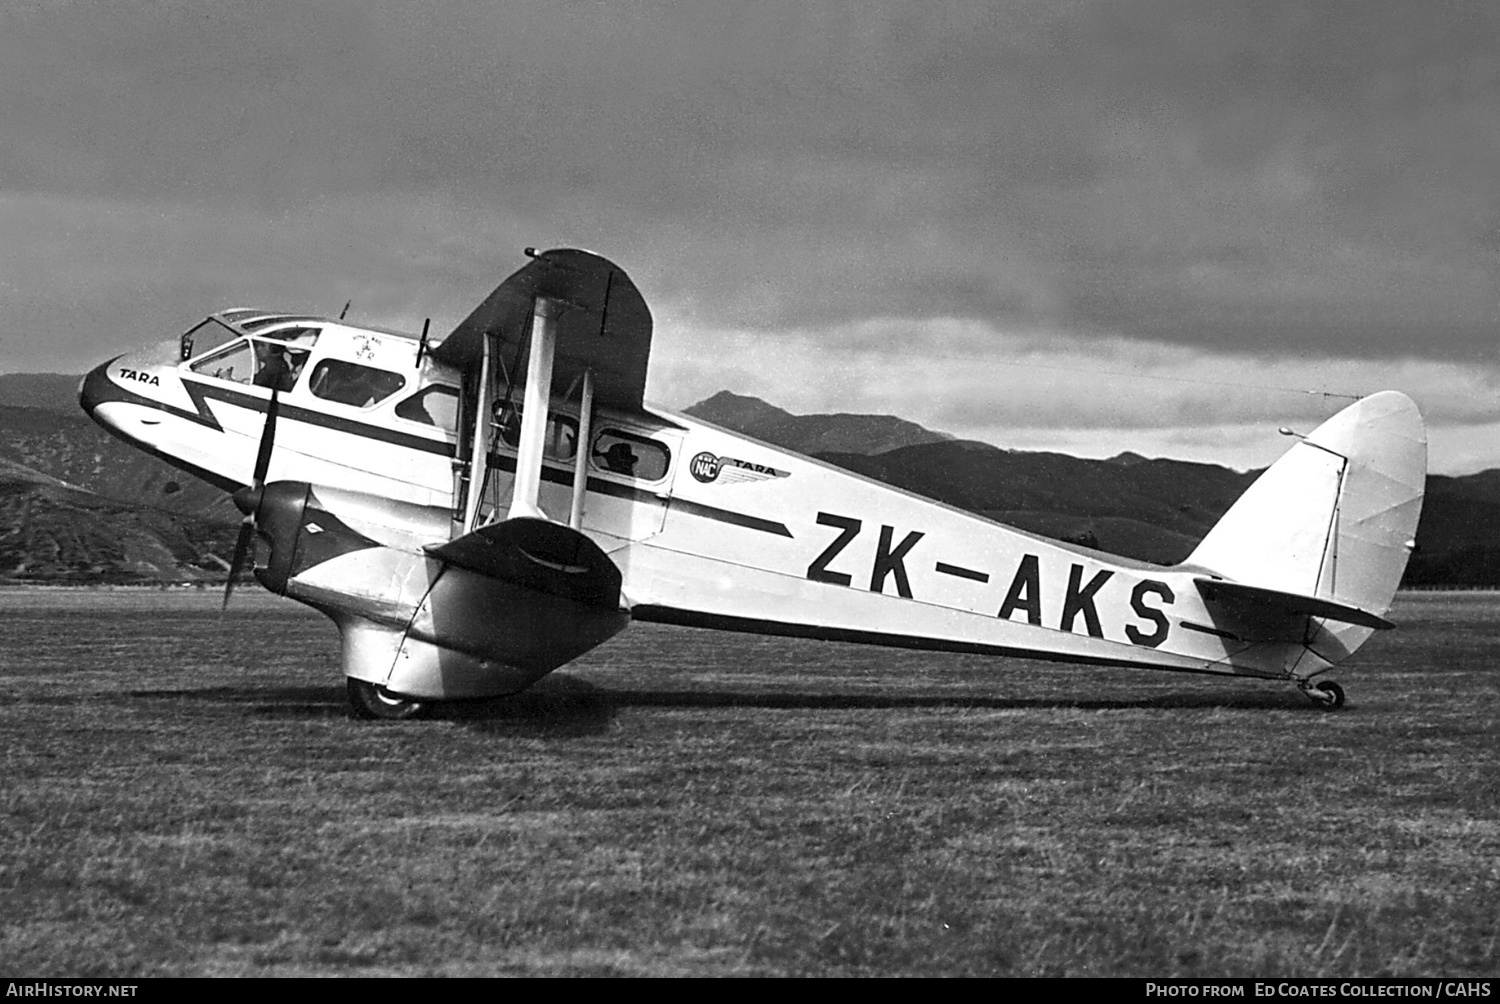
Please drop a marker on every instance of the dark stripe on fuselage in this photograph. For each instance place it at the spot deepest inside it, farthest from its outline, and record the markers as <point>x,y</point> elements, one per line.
<point>652,613</point>
<point>98,388</point>
<point>647,495</point>
<point>728,516</point>
<point>202,393</point>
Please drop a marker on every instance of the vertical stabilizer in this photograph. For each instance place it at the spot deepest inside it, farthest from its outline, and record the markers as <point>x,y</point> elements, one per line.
<point>1336,516</point>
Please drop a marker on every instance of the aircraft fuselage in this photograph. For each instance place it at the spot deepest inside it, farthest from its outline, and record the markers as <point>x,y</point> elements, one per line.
<point>707,527</point>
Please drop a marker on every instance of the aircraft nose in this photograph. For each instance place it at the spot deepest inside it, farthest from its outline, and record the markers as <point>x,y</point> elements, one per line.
<point>95,388</point>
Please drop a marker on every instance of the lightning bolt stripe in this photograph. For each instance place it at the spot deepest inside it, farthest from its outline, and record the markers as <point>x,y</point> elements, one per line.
<point>98,388</point>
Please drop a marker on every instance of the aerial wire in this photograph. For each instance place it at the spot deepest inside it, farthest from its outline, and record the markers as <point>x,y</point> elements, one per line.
<point>1325,394</point>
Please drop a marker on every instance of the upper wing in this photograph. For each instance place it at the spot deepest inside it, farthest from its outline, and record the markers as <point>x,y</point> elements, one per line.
<point>605,325</point>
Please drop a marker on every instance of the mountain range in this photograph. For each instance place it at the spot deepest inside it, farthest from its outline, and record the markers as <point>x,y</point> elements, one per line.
<point>78,506</point>
<point>1154,510</point>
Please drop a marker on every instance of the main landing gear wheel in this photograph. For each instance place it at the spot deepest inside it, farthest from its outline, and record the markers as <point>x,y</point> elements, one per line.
<point>371,701</point>
<point>1327,695</point>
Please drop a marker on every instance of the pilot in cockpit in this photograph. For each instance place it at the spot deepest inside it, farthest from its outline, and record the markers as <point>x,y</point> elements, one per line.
<point>279,366</point>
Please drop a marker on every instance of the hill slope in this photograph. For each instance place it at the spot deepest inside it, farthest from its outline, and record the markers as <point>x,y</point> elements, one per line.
<point>70,447</point>
<point>1154,510</point>
<point>79,506</point>
<point>812,434</point>
<point>53,532</point>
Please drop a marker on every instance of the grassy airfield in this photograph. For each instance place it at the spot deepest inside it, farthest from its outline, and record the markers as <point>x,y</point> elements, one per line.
<point>182,796</point>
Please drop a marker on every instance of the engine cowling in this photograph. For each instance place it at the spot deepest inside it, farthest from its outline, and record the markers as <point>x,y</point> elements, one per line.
<point>487,614</point>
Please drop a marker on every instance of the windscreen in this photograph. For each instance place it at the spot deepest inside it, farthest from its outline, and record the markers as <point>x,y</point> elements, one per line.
<point>205,338</point>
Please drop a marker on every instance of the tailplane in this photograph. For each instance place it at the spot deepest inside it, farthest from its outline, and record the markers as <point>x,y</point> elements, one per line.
<point>1326,531</point>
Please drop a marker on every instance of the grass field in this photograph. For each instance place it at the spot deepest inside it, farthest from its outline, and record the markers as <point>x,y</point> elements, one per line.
<point>183,796</point>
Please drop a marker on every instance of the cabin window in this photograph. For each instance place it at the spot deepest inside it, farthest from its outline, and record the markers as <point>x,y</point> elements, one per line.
<point>437,405</point>
<point>351,383</point>
<point>205,338</point>
<point>560,442</point>
<point>635,456</point>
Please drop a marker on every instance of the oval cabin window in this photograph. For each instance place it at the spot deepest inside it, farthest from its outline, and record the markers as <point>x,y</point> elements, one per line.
<point>634,456</point>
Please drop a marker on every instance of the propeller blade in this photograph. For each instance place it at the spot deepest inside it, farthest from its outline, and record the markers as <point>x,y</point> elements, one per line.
<point>267,440</point>
<point>244,544</point>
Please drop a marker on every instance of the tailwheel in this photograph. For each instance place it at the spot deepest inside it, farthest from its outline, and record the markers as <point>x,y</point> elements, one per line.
<point>1327,695</point>
<point>371,701</point>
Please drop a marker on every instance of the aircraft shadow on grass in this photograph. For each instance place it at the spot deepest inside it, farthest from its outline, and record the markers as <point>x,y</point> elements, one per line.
<point>562,705</point>
<point>289,702</point>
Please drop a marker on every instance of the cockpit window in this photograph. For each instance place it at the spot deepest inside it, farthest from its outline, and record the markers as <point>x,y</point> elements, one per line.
<point>351,383</point>
<point>255,361</point>
<point>634,456</point>
<point>437,405</point>
<point>205,338</point>
<point>237,363</point>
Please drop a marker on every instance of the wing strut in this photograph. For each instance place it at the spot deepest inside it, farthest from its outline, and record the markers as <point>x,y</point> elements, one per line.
<point>581,450</point>
<point>484,397</point>
<point>533,438</point>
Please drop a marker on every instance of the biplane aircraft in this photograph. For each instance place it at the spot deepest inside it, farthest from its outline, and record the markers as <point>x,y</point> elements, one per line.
<point>475,512</point>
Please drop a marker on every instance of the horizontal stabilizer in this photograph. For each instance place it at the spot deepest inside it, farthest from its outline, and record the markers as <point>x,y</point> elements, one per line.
<point>1237,595</point>
<point>537,554</point>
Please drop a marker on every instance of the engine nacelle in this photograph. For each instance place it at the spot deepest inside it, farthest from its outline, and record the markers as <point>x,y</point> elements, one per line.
<point>412,620</point>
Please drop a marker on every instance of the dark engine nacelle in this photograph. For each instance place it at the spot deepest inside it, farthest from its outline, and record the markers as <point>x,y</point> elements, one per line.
<point>488,613</point>
<point>301,532</point>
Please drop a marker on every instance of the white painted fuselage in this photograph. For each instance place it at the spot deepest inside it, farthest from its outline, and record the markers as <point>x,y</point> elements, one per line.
<point>707,527</point>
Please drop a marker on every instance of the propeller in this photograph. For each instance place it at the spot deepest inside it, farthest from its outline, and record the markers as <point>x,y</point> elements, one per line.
<point>247,500</point>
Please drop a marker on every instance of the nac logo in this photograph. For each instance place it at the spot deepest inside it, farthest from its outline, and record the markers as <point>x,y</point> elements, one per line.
<point>729,470</point>
<point>704,467</point>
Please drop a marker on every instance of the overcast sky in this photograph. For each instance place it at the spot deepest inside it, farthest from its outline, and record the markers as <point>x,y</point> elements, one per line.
<point>1166,227</point>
